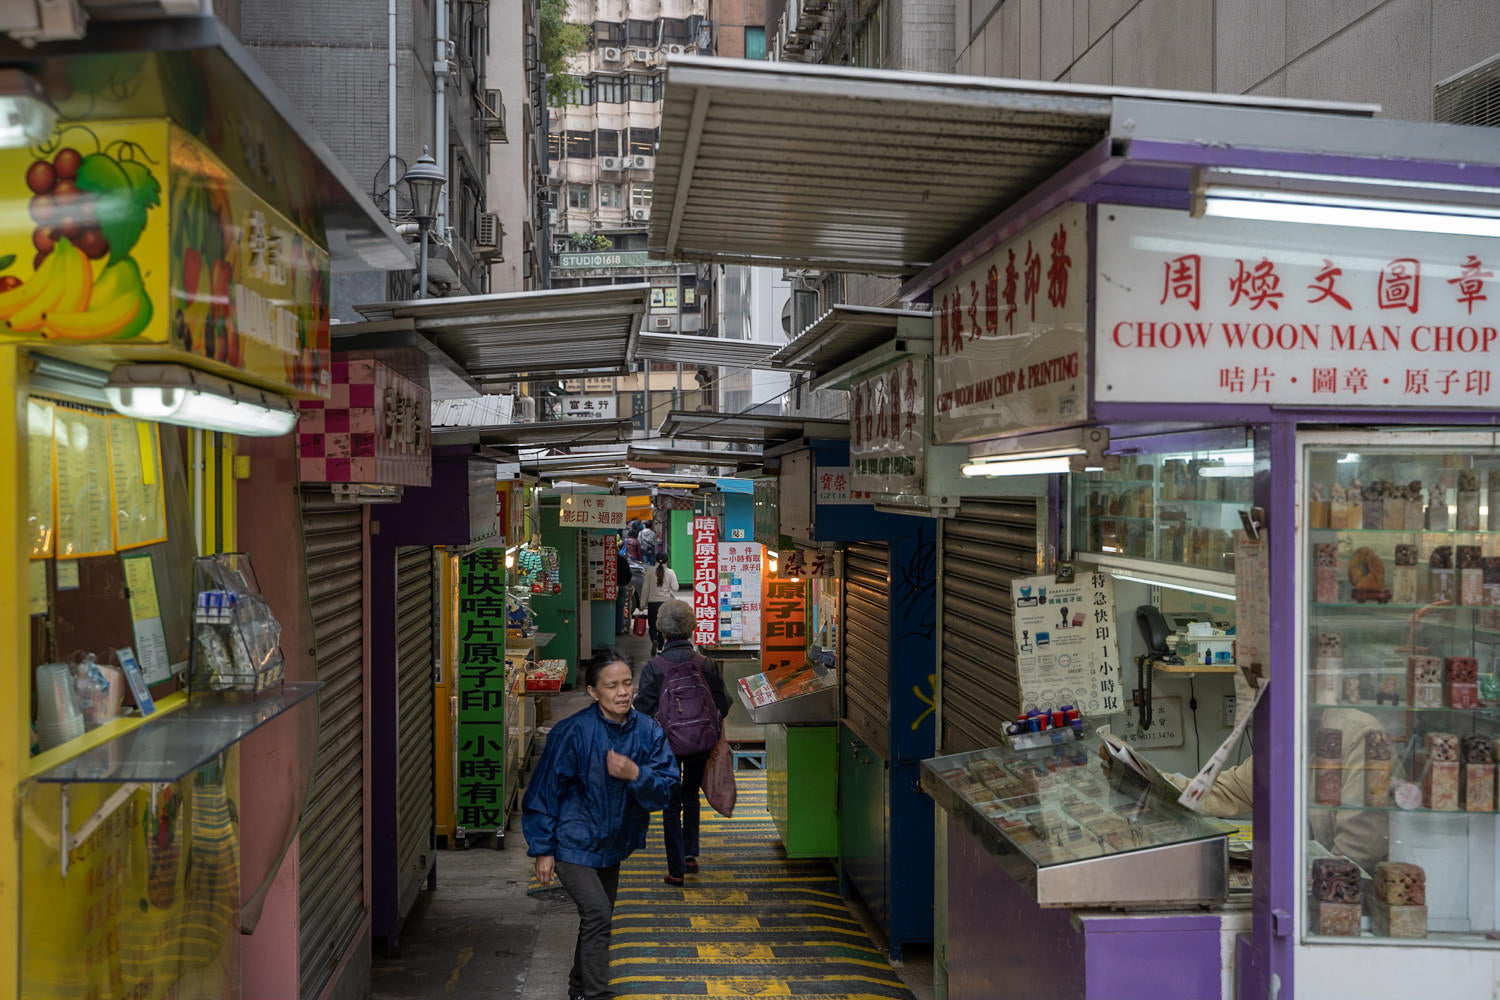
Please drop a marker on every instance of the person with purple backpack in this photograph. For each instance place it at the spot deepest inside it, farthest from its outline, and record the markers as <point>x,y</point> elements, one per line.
<point>684,691</point>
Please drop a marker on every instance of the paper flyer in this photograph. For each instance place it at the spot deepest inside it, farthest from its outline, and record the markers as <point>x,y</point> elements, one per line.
<point>139,512</point>
<point>1067,652</point>
<point>40,508</point>
<point>1192,795</point>
<point>37,587</point>
<point>145,619</point>
<point>85,524</point>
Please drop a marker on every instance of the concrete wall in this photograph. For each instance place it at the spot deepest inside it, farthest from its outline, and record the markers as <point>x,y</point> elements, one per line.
<point>511,167</point>
<point>1389,52</point>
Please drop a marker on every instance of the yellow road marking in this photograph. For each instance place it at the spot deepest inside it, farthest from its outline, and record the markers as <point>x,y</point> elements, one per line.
<point>464,958</point>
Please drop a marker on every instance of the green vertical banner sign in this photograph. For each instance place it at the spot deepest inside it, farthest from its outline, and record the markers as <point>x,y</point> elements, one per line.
<point>480,741</point>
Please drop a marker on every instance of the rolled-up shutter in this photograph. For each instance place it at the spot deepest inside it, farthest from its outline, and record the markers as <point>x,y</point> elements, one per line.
<point>416,605</point>
<point>987,545</point>
<point>867,634</point>
<point>331,891</point>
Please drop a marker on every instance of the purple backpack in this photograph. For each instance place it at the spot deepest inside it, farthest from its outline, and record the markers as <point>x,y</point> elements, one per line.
<point>686,708</point>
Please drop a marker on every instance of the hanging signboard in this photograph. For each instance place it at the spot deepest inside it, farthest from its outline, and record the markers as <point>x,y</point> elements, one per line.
<point>1012,344</point>
<point>373,428</point>
<point>810,564</point>
<point>835,489</point>
<point>705,581</point>
<point>1217,310</point>
<point>603,568</point>
<point>480,739</point>
<point>888,428</point>
<point>783,630</point>
<point>739,593</point>
<point>1067,649</point>
<point>587,408</point>
<point>591,510</point>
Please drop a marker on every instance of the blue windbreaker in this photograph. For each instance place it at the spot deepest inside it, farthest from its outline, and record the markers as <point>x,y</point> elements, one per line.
<point>574,811</point>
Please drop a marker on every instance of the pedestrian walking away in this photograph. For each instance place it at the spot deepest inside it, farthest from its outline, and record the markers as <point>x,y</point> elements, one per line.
<point>603,771</point>
<point>647,539</point>
<point>684,691</point>
<point>658,585</point>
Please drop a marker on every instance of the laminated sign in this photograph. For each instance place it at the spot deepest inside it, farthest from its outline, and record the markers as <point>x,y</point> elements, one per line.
<point>705,581</point>
<point>1067,647</point>
<point>480,740</point>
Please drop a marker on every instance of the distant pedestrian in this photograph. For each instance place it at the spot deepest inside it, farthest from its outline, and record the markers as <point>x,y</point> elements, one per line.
<point>587,807</point>
<point>684,691</point>
<point>647,539</point>
<point>658,585</point>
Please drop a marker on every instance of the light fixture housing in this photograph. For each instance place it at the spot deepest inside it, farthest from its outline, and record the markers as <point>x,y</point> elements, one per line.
<point>177,394</point>
<point>27,117</point>
<point>424,181</point>
<point>1077,449</point>
<point>1170,584</point>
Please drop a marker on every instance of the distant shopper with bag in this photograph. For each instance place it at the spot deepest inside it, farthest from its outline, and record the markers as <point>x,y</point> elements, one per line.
<point>657,586</point>
<point>684,691</point>
<point>587,807</point>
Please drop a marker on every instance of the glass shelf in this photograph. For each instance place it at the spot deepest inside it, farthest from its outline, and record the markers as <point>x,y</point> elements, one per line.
<point>1319,807</point>
<point>178,743</point>
<point>1487,712</point>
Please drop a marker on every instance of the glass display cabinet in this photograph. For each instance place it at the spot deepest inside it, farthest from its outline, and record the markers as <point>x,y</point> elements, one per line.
<point>1076,836</point>
<point>1400,578</point>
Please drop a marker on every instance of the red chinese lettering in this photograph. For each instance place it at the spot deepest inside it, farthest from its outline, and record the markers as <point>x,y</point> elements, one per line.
<point>1181,279</point>
<point>974,329</point>
<point>895,392</point>
<point>956,321</point>
<point>1322,285</point>
<point>1477,382</point>
<point>911,394</point>
<point>1008,296</point>
<point>1416,381</point>
<point>1470,282</point>
<point>1258,285</point>
<point>992,301</point>
<point>1262,379</point>
<point>1232,379</point>
<point>1400,284</point>
<point>1325,380</point>
<point>1450,379</point>
<point>1356,380</point>
<point>1032,277</point>
<point>942,315</point>
<point>1057,270</point>
<point>882,414</point>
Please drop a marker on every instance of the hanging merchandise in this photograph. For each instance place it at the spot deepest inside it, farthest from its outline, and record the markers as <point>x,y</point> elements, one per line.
<point>537,568</point>
<point>520,622</point>
<point>236,639</point>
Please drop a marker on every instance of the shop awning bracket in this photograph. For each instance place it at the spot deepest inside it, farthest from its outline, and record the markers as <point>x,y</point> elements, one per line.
<point>75,838</point>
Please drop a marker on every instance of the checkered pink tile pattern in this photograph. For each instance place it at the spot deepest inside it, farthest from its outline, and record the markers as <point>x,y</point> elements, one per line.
<point>373,428</point>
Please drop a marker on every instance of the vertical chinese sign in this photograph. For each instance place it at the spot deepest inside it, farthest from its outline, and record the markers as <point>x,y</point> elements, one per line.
<point>888,428</point>
<point>1011,335</point>
<point>783,625</point>
<point>479,791</point>
<point>706,581</point>
<point>603,568</point>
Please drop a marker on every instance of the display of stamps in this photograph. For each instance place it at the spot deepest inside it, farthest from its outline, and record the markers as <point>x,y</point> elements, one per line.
<point>1470,576</point>
<point>1326,560</point>
<point>1424,682</point>
<point>1467,518</point>
<point>1404,575</point>
<point>1440,586</point>
<point>1377,769</point>
<point>1437,507</point>
<point>1461,681</point>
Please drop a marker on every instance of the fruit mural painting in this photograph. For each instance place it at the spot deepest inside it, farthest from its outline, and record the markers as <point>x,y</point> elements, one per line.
<point>89,211</point>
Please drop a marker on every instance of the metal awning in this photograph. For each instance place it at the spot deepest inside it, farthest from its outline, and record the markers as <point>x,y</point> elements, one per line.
<point>480,339</point>
<point>877,171</point>
<point>748,428</point>
<point>557,433</point>
<point>846,333</point>
<point>693,456</point>
<point>687,349</point>
<point>194,71</point>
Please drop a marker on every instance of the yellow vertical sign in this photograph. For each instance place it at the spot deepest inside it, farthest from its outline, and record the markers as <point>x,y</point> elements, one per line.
<point>40,520</point>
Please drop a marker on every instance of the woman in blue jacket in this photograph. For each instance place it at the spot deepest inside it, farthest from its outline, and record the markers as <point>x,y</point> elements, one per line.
<point>604,770</point>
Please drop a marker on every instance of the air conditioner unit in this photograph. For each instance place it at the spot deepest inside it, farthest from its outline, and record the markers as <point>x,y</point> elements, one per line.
<point>489,238</point>
<point>492,115</point>
<point>661,322</point>
<point>640,214</point>
<point>609,163</point>
<point>643,55</point>
<point>610,54</point>
<point>677,50</point>
<point>641,162</point>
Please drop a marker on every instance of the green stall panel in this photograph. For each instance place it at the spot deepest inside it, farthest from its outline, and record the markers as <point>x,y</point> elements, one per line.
<point>558,613</point>
<point>802,788</point>
<point>680,552</point>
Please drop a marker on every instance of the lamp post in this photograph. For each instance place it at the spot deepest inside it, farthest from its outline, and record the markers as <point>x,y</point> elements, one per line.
<point>425,181</point>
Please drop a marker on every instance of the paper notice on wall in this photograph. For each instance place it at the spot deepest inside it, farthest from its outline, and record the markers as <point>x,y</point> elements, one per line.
<point>1192,796</point>
<point>40,523</point>
<point>135,470</point>
<point>37,587</point>
<point>85,523</point>
<point>1067,650</point>
<point>145,619</point>
<point>1252,591</point>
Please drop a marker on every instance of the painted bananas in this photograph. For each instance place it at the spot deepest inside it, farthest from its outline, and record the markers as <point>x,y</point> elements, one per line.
<point>64,301</point>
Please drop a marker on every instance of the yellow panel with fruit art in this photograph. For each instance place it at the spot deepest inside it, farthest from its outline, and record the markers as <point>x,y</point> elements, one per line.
<point>137,243</point>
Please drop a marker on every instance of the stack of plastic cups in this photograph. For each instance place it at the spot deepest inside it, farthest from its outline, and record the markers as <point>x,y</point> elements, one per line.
<point>58,718</point>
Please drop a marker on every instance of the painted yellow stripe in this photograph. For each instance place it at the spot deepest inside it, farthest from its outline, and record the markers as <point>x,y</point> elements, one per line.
<point>712,983</point>
<point>686,962</point>
<point>656,918</point>
<point>760,941</point>
<point>111,730</point>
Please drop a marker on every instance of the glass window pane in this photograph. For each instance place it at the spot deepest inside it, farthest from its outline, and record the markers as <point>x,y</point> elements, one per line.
<point>755,43</point>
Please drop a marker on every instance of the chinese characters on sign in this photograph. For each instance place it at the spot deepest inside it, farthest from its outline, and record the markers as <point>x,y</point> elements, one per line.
<point>1230,311</point>
<point>834,486</point>
<point>1067,650</point>
<point>587,408</point>
<point>888,428</point>
<point>603,568</point>
<point>1011,348</point>
<point>591,510</point>
<point>783,628</point>
<point>739,593</point>
<point>705,581</point>
<point>480,740</point>
<point>812,564</point>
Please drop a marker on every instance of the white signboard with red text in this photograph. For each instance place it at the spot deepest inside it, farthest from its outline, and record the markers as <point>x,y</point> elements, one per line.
<point>706,581</point>
<point>888,428</point>
<point>1227,311</point>
<point>591,510</point>
<point>739,593</point>
<point>1011,336</point>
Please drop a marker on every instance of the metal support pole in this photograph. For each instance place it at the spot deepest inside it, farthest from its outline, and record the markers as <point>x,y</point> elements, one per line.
<point>422,225</point>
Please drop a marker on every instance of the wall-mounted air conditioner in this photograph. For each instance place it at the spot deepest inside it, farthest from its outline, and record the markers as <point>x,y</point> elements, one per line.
<point>610,54</point>
<point>492,115</point>
<point>640,214</point>
<point>661,322</point>
<point>642,162</point>
<point>489,237</point>
<point>677,50</point>
<point>609,163</point>
<point>643,55</point>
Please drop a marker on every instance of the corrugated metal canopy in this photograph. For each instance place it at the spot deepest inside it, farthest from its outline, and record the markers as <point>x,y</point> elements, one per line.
<point>565,333</point>
<point>748,428</point>
<point>548,432</point>
<point>690,350</point>
<point>846,332</point>
<point>693,456</point>
<point>862,170</point>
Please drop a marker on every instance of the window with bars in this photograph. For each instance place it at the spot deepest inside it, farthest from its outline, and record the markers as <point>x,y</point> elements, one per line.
<point>645,87</point>
<point>580,145</point>
<point>609,89</point>
<point>643,141</point>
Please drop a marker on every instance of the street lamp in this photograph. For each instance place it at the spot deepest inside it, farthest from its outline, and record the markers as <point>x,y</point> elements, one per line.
<point>425,181</point>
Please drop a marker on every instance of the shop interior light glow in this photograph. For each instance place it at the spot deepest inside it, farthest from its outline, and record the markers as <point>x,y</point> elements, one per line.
<point>1020,467</point>
<point>1170,584</point>
<point>177,394</point>
<point>1359,213</point>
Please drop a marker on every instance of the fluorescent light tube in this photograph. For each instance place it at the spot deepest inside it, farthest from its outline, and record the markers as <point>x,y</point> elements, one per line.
<point>1258,206</point>
<point>1019,467</point>
<point>1156,581</point>
<point>176,394</point>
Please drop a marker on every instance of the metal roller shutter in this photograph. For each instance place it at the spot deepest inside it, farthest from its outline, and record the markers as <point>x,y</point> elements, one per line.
<point>985,546</point>
<point>416,606</point>
<point>331,892</point>
<point>867,635</point>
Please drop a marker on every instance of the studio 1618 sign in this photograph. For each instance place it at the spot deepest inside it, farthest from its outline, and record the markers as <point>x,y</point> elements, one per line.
<point>1228,311</point>
<point>1011,351</point>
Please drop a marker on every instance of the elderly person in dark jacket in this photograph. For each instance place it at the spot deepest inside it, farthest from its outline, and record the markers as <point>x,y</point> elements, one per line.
<point>587,806</point>
<point>680,818</point>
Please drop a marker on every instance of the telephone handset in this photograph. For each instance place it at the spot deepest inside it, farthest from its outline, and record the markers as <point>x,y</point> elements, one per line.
<point>1154,631</point>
